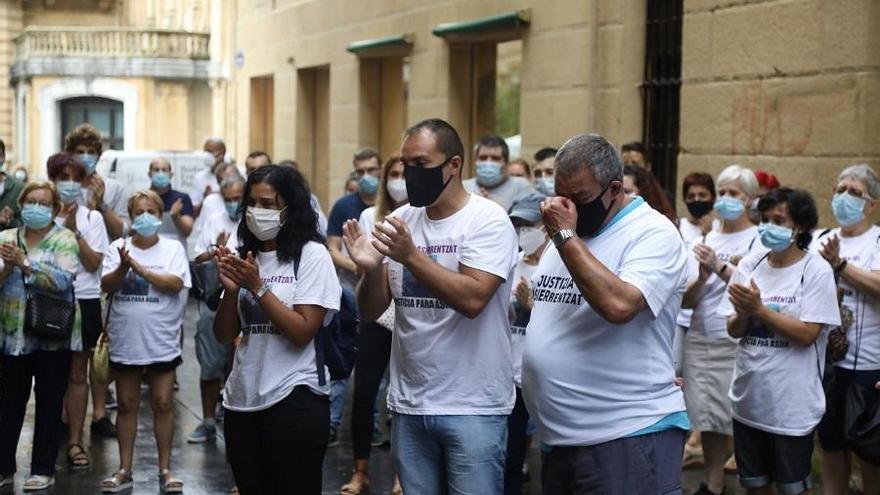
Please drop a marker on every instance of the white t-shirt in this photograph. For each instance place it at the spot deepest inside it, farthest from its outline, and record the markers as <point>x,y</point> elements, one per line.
<point>211,205</point>
<point>442,362</point>
<point>213,226</point>
<point>202,180</point>
<point>688,230</point>
<point>267,364</point>
<point>519,324</point>
<point>91,224</point>
<point>115,198</point>
<point>777,385</point>
<point>144,322</point>
<point>587,381</point>
<point>864,252</point>
<point>705,318</point>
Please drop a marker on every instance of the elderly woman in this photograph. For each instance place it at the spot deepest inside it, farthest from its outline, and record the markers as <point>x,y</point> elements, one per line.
<point>43,256</point>
<point>708,350</point>
<point>853,250</point>
<point>780,305</point>
<point>67,173</point>
<point>147,276</point>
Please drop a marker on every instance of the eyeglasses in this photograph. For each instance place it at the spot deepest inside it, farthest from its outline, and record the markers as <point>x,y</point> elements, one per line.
<point>854,192</point>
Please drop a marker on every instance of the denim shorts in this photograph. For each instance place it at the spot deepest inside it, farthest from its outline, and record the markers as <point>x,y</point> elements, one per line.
<point>763,457</point>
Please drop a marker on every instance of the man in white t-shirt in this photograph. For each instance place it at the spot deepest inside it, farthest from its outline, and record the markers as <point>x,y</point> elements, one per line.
<point>598,371</point>
<point>447,261</point>
<point>206,181</point>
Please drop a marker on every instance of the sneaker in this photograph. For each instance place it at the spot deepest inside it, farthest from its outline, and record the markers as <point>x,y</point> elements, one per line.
<point>378,438</point>
<point>203,433</point>
<point>103,428</point>
<point>334,438</point>
<point>111,400</point>
<point>704,490</point>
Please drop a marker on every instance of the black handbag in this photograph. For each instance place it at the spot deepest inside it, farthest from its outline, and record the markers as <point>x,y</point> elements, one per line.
<point>47,315</point>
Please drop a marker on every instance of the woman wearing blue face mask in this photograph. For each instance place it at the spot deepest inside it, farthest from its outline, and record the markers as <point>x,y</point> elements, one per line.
<point>44,256</point>
<point>780,306</point>
<point>853,251</point>
<point>146,276</point>
<point>67,173</point>
<point>708,350</point>
<point>280,288</point>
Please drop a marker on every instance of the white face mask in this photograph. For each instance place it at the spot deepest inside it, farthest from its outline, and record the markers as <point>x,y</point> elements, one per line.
<point>397,189</point>
<point>263,222</point>
<point>531,239</point>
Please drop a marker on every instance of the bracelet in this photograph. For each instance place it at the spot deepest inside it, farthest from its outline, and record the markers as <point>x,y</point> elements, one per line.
<point>723,269</point>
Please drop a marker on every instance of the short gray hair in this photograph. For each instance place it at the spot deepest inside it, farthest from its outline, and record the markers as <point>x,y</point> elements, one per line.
<point>864,173</point>
<point>744,175</point>
<point>161,159</point>
<point>590,151</point>
<point>231,181</point>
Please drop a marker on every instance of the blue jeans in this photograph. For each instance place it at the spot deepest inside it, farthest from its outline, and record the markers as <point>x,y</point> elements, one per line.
<point>455,455</point>
<point>338,389</point>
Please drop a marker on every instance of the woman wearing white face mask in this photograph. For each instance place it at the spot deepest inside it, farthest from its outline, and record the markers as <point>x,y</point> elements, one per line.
<point>708,350</point>
<point>146,277</point>
<point>375,343</point>
<point>779,305</point>
<point>853,251</point>
<point>280,288</point>
<point>67,173</point>
<point>526,217</point>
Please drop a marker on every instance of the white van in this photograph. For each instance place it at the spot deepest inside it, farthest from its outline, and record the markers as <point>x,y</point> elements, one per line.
<point>132,168</point>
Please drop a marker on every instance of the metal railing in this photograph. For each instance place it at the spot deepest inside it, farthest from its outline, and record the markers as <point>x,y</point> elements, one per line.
<point>111,42</point>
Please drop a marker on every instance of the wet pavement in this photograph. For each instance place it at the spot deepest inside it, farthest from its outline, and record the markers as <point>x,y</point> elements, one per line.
<point>202,467</point>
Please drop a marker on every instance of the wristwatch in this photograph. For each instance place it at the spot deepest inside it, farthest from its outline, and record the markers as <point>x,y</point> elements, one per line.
<point>561,236</point>
<point>78,234</point>
<point>261,292</point>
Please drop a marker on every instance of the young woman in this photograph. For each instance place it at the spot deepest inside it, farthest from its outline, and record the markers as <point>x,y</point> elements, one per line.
<point>708,350</point>
<point>147,277</point>
<point>67,173</point>
<point>698,191</point>
<point>853,251</point>
<point>45,255</point>
<point>779,305</point>
<point>639,181</point>
<point>280,289</point>
<point>375,344</point>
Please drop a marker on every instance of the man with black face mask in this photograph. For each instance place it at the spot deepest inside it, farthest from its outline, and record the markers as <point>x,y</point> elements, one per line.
<point>598,371</point>
<point>447,259</point>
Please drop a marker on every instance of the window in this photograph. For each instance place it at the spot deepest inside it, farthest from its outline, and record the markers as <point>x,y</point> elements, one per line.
<point>661,88</point>
<point>103,113</point>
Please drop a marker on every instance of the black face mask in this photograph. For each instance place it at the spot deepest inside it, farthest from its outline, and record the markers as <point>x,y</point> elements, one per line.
<point>699,209</point>
<point>424,185</point>
<point>591,215</point>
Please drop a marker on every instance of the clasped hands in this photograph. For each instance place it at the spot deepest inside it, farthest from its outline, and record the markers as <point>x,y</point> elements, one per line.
<point>391,238</point>
<point>237,273</point>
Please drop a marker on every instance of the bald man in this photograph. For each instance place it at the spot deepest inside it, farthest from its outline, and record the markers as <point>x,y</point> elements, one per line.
<point>179,217</point>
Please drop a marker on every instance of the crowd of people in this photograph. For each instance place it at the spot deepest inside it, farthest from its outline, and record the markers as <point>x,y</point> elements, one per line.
<point>559,301</point>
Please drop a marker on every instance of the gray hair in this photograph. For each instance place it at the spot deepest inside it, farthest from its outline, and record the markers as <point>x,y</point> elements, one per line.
<point>216,140</point>
<point>744,175</point>
<point>161,159</point>
<point>866,175</point>
<point>590,151</point>
<point>230,182</point>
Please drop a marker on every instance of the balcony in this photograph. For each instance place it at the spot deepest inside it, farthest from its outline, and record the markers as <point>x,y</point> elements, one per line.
<point>113,52</point>
<point>111,42</point>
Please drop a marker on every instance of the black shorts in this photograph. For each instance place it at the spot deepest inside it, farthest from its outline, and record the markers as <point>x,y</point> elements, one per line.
<point>838,381</point>
<point>763,457</point>
<point>91,321</point>
<point>159,367</point>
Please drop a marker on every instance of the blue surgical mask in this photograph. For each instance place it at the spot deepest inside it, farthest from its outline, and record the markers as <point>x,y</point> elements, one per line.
<point>70,191</point>
<point>489,173</point>
<point>775,237</point>
<point>90,161</point>
<point>848,209</point>
<point>160,180</point>
<point>36,216</point>
<point>146,224</point>
<point>729,208</point>
<point>546,186</point>
<point>368,185</point>
<point>232,209</point>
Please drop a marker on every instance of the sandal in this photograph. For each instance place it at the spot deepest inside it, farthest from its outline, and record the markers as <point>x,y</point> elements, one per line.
<point>79,459</point>
<point>119,481</point>
<point>397,490</point>
<point>169,483</point>
<point>359,485</point>
<point>38,482</point>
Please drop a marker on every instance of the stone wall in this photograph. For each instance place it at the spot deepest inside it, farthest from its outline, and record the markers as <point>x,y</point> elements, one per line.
<point>789,86</point>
